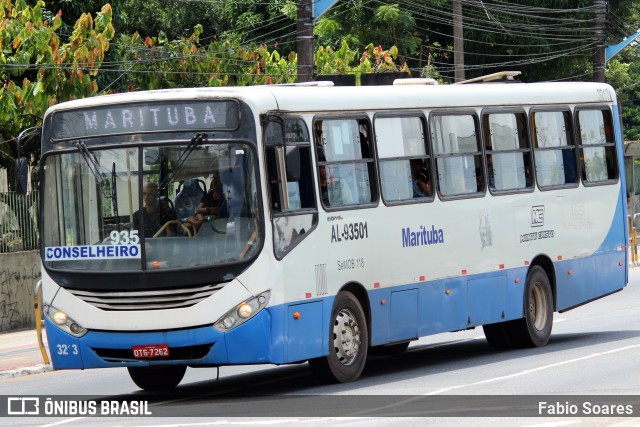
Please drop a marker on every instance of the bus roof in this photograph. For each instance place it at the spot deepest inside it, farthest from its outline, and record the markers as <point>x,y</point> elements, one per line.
<point>292,98</point>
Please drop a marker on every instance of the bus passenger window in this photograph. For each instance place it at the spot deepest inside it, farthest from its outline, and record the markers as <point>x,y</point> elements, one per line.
<point>290,180</point>
<point>554,149</point>
<point>597,147</point>
<point>508,152</point>
<point>458,154</point>
<point>289,168</point>
<point>405,172</point>
<point>345,162</point>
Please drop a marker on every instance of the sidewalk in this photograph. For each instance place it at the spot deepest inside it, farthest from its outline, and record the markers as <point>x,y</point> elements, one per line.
<point>20,354</point>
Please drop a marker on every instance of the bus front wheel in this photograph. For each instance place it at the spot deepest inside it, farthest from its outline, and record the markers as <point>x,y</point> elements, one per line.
<point>534,329</point>
<point>348,342</point>
<point>157,378</point>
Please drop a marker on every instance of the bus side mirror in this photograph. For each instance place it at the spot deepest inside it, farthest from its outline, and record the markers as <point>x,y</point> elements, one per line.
<point>22,174</point>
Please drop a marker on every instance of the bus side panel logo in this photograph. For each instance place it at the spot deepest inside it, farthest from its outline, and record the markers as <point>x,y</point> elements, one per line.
<point>537,216</point>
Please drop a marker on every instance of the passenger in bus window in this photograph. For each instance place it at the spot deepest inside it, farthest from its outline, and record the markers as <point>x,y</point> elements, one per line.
<point>422,183</point>
<point>490,171</point>
<point>528,178</point>
<point>212,205</point>
<point>154,214</point>
<point>324,185</point>
<point>479,180</point>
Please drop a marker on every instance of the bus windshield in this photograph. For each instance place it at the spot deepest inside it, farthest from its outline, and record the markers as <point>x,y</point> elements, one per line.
<point>192,204</point>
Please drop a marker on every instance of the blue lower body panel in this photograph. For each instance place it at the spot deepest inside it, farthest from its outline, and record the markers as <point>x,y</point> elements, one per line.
<point>298,331</point>
<point>205,346</point>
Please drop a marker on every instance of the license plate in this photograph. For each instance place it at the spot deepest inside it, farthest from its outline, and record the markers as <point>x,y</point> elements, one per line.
<point>147,351</point>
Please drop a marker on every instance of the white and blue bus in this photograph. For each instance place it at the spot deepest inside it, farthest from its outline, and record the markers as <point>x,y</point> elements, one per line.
<point>279,224</point>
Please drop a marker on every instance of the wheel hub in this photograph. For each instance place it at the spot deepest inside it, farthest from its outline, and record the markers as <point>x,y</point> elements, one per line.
<point>538,306</point>
<point>346,337</point>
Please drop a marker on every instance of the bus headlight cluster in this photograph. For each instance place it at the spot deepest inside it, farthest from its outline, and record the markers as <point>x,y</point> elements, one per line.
<point>242,312</point>
<point>65,323</point>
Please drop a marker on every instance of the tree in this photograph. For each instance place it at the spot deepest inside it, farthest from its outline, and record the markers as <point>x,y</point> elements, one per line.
<point>357,23</point>
<point>174,18</point>
<point>623,73</point>
<point>157,62</point>
<point>39,71</point>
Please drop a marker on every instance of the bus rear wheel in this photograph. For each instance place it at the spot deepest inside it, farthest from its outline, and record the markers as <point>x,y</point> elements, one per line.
<point>157,378</point>
<point>534,329</point>
<point>348,340</point>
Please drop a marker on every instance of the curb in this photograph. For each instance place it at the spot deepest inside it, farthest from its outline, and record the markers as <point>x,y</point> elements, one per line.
<point>26,370</point>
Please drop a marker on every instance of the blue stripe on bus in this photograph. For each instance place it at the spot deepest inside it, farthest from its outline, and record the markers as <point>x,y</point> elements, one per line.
<point>584,279</point>
<point>623,188</point>
<point>425,308</point>
<point>298,331</point>
<point>248,343</point>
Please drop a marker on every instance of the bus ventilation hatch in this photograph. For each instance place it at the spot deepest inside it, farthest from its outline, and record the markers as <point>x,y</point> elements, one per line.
<point>146,300</point>
<point>321,279</point>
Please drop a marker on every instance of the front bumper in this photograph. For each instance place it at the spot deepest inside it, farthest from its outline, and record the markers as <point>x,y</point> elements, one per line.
<point>249,343</point>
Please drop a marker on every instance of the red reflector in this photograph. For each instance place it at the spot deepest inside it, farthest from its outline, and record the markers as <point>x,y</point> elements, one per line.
<point>149,351</point>
<point>526,263</point>
<point>464,272</point>
<point>422,278</point>
<point>501,266</point>
<point>308,295</point>
<point>376,285</point>
<point>559,257</point>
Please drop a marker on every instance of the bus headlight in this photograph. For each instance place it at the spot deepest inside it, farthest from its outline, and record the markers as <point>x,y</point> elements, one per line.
<point>65,323</point>
<point>242,312</point>
<point>59,318</point>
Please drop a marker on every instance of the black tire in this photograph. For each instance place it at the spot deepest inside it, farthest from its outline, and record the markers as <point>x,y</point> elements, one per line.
<point>534,329</point>
<point>348,342</point>
<point>388,350</point>
<point>497,335</point>
<point>157,378</point>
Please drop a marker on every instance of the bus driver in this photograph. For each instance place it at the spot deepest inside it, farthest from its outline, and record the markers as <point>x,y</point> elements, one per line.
<point>154,214</point>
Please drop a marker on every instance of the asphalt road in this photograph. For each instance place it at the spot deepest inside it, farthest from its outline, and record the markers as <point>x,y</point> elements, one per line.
<point>594,351</point>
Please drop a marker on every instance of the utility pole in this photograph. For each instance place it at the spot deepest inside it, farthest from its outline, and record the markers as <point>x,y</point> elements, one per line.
<point>599,57</point>
<point>458,41</point>
<point>304,40</point>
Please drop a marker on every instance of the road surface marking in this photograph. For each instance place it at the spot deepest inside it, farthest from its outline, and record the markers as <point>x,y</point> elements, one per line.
<point>529,371</point>
<point>13,358</point>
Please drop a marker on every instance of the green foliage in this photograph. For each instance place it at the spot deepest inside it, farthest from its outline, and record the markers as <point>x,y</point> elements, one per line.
<point>399,22</point>
<point>157,63</point>
<point>40,71</point>
<point>374,59</point>
<point>623,73</point>
<point>48,57</point>
<point>330,61</point>
<point>176,18</point>
<point>353,22</point>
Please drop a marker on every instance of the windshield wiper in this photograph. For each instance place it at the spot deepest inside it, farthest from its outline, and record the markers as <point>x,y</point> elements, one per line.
<point>90,160</point>
<point>198,139</point>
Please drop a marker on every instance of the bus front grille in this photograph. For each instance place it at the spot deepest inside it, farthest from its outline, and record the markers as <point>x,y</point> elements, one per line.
<point>146,300</point>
